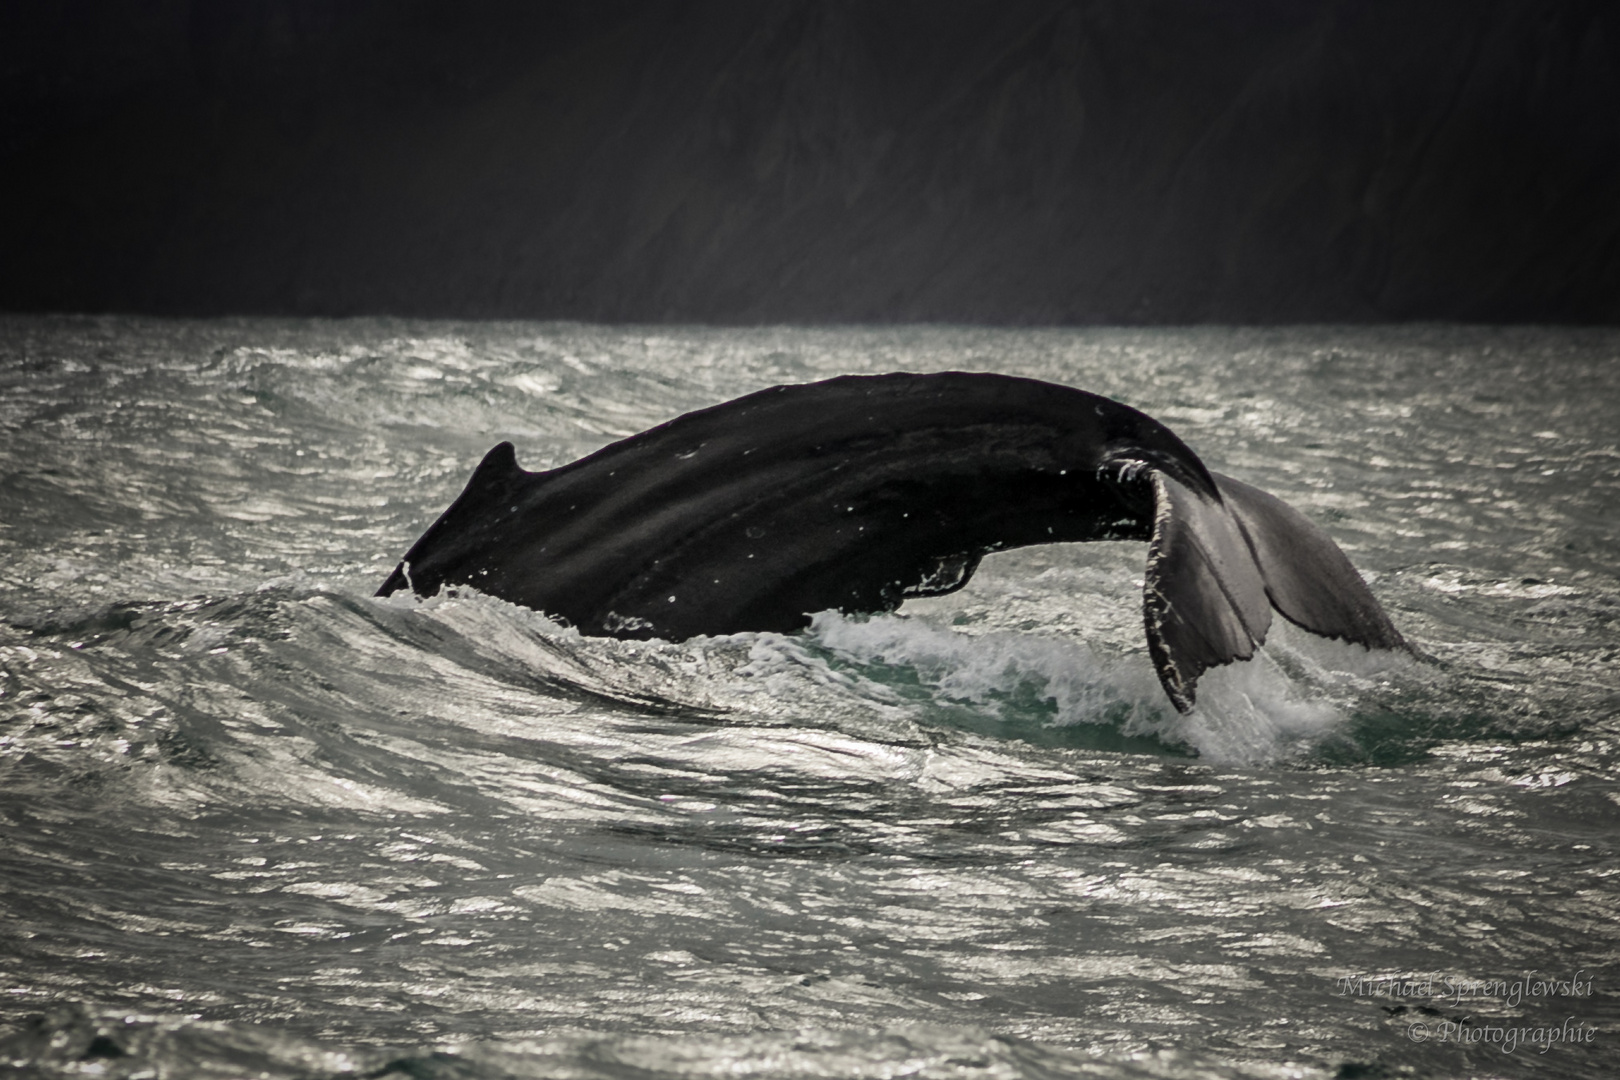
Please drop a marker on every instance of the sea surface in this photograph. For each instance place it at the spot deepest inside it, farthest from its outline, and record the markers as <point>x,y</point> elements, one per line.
<point>256,822</point>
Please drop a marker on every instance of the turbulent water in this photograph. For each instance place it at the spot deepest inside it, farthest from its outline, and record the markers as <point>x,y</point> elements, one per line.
<point>255,822</point>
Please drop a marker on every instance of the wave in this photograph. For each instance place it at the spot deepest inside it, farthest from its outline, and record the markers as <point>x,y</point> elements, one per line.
<point>73,1041</point>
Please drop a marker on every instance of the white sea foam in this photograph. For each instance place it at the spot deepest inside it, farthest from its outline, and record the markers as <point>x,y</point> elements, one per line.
<point>1247,712</point>
<point>884,672</point>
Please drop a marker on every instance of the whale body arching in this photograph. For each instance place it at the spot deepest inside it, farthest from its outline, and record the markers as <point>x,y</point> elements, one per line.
<point>858,492</point>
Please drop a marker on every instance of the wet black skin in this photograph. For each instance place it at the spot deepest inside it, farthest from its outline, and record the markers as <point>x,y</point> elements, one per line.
<point>854,494</point>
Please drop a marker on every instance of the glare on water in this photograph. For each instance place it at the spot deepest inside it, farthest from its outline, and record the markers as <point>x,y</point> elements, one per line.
<point>254,819</point>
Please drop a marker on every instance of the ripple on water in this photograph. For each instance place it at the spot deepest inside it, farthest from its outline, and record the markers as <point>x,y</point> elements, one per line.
<point>258,821</point>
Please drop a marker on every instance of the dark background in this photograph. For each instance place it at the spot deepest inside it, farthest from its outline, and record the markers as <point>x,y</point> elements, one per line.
<point>815,160</point>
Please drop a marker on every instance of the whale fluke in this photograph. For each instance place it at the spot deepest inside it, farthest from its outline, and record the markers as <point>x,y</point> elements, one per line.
<point>1308,579</point>
<point>1217,568</point>
<point>859,492</point>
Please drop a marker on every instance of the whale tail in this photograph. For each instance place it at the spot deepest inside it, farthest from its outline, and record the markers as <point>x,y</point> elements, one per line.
<point>1218,567</point>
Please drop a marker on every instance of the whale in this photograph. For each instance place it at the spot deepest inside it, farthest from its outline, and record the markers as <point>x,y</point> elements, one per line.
<point>859,492</point>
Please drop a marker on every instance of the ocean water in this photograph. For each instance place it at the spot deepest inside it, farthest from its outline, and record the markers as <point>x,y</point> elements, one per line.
<point>254,821</point>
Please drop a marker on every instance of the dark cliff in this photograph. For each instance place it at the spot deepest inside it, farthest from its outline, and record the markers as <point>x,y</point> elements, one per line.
<point>816,160</point>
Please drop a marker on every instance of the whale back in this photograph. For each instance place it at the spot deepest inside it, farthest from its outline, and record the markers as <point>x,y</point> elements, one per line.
<point>851,494</point>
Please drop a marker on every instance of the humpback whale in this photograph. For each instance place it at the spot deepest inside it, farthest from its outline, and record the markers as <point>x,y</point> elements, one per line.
<point>858,492</point>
